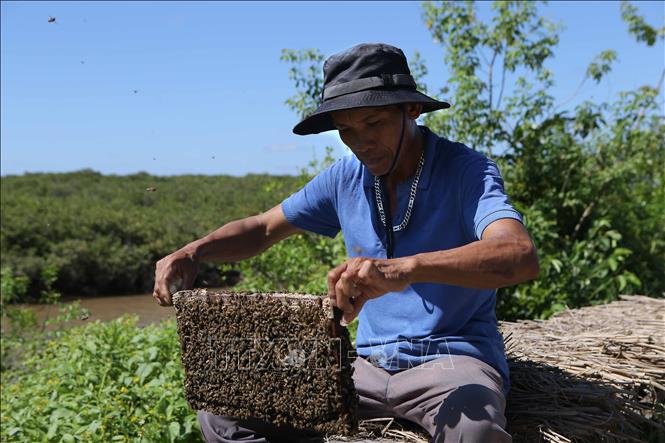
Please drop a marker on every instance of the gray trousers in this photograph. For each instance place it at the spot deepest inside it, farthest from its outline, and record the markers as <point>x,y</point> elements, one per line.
<point>455,399</point>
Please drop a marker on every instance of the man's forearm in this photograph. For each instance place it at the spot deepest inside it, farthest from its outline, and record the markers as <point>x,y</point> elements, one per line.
<point>234,241</point>
<point>491,263</point>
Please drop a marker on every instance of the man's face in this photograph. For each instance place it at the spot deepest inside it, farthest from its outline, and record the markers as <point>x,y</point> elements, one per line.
<point>372,133</point>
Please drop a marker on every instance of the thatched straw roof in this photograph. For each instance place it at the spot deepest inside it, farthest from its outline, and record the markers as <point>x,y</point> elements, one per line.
<point>585,375</point>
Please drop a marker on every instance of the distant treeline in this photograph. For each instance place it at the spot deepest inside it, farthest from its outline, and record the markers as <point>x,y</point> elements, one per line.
<point>104,234</point>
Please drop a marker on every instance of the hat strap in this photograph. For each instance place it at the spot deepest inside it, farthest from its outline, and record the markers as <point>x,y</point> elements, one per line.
<point>368,83</point>
<point>388,225</point>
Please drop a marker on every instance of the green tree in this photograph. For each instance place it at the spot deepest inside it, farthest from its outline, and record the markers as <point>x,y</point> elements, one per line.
<point>103,234</point>
<point>588,180</point>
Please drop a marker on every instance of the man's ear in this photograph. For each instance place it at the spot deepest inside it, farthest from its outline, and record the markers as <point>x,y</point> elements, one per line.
<point>413,110</point>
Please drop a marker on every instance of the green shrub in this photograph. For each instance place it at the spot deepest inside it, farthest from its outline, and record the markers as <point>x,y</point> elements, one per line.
<point>103,382</point>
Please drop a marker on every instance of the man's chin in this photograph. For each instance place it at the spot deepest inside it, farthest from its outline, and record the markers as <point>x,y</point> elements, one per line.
<point>376,170</point>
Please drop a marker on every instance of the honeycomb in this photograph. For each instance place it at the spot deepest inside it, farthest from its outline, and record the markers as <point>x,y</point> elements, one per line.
<point>282,358</point>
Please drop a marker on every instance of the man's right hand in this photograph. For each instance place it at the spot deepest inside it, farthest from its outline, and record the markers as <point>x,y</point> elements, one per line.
<point>173,273</point>
<point>234,241</point>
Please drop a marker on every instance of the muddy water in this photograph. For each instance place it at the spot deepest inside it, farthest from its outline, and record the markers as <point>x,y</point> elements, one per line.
<point>143,305</point>
<point>110,307</point>
<point>105,308</point>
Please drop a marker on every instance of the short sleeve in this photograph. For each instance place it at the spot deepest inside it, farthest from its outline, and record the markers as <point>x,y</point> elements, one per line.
<point>313,208</point>
<point>483,198</point>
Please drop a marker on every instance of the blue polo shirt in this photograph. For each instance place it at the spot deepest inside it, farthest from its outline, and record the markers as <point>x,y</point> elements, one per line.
<point>459,194</point>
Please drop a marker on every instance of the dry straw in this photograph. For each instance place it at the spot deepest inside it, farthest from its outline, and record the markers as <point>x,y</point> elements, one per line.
<point>585,375</point>
<point>590,374</point>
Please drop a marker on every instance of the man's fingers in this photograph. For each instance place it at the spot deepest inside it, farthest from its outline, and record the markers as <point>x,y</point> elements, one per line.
<point>340,295</point>
<point>368,292</point>
<point>365,273</point>
<point>162,300</point>
<point>333,277</point>
<point>345,289</point>
<point>163,288</point>
<point>358,303</point>
<point>174,273</point>
<point>161,292</point>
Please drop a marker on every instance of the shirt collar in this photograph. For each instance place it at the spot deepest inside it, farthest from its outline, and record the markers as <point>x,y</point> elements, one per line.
<point>431,140</point>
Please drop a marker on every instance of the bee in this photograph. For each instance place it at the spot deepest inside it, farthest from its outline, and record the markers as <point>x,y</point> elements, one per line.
<point>276,335</point>
<point>51,19</point>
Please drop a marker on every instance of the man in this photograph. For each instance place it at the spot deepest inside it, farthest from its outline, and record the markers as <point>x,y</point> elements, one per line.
<point>430,234</point>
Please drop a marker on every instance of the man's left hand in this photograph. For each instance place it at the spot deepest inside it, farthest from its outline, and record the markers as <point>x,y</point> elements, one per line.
<point>354,282</point>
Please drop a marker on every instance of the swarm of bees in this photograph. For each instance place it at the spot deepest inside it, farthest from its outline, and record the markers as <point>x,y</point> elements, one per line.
<point>279,357</point>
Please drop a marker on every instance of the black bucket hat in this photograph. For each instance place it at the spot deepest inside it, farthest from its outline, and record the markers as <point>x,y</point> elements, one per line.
<point>369,74</point>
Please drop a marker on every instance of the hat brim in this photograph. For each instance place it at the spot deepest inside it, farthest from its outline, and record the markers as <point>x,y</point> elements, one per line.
<point>320,120</point>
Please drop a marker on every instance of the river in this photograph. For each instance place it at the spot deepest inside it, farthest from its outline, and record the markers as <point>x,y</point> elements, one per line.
<point>106,308</point>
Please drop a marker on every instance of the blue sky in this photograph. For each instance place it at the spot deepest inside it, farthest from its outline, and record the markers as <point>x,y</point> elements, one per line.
<point>210,83</point>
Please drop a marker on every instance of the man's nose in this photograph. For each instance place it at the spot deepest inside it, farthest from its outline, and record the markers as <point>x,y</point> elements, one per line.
<point>364,146</point>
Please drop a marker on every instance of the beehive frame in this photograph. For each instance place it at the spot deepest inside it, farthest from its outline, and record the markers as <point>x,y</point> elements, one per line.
<point>278,357</point>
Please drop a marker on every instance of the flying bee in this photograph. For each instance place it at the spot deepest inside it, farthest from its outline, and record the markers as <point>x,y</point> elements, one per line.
<point>51,19</point>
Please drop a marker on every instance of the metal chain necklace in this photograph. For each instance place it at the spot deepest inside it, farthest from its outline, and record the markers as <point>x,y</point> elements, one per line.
<point>412,196</point>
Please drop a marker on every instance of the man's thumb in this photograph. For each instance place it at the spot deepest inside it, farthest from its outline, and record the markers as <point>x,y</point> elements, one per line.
<point>358,303</point>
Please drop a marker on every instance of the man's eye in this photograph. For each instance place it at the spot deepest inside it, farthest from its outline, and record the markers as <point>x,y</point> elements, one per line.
<point>373,123</point>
